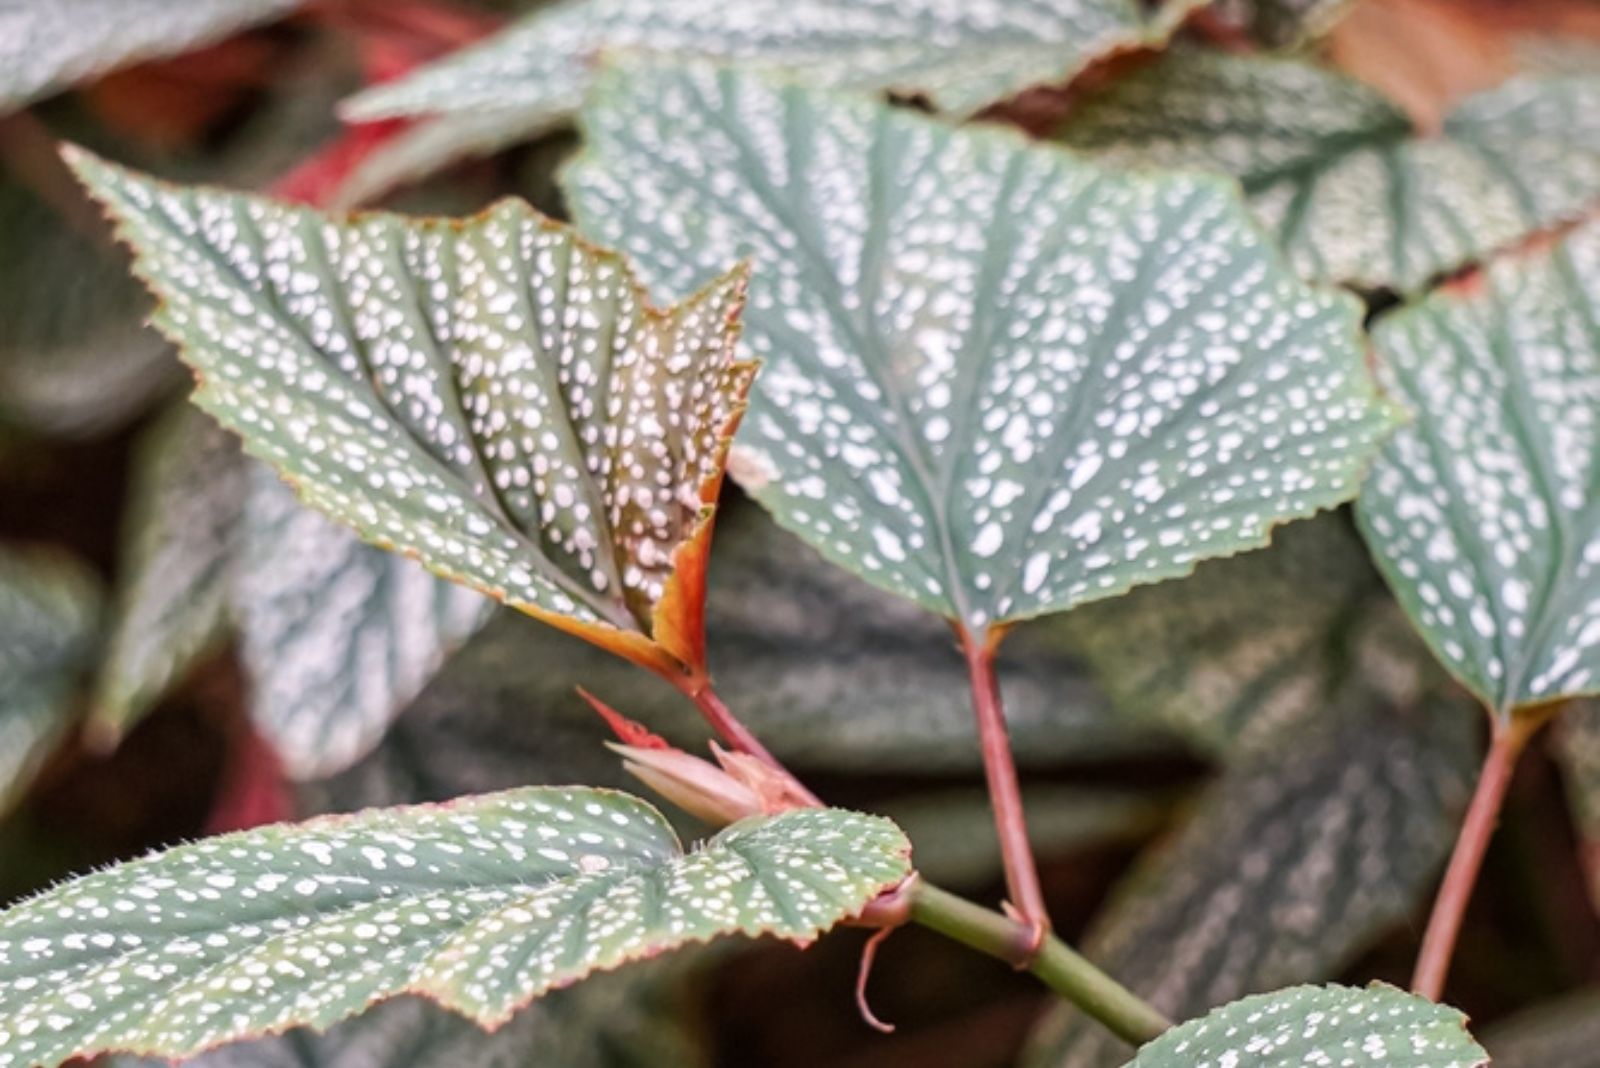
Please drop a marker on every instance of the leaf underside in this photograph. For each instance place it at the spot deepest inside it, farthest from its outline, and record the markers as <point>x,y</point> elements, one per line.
<point>1482,511</point>
<point>493,397</point>
<point>999,381</point>
<point>48,612</point>
<point>1294,862</point>
<point>1310,1025</point>
<point>45,47</point>
<point>481,905</point>
<point>532,77</point>
<point>1337,172</point>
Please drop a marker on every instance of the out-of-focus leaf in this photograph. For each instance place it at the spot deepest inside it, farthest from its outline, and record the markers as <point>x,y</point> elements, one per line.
<point>1561,1034</point>
<point>1483,512</point>
<point>828,671</point>
<point>1578,750</point>
<point>628,1019</point>
<point>188,496</point>
<point>532,77</point>
<point>1000,381</point>
<point>1310,1025</point>
<point>494,397</point>
<point>953,830</point>
<point>75,357</point>
<point>338,636</point>
<point>49,46</point>
<point>48,615</point>
<point>308,924</point>
<point>1295,861</point>
<point>1338,172</point>
<point>1240,649</point>
<point>1283,23</point>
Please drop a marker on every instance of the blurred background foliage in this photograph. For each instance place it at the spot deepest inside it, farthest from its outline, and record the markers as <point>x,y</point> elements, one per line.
<point>1237,781</point>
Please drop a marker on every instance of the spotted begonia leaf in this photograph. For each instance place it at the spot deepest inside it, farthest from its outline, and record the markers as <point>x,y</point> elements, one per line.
<point>533,76</point>
<point>1308,1025</point>
<point>1483,512</point>
<point>1296,861</point>
<point>48,614</point>
<point>1001,381</point>
<point>1564,1033</point>
<point>494,397</point>
<point>337,637</point>
<point>481,905</point>
<point>45,47</point>
<point>189,487</point>
<point>1338,172</point>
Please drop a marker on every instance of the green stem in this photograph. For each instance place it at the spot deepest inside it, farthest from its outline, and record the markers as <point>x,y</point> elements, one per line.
<point>1055,963</point>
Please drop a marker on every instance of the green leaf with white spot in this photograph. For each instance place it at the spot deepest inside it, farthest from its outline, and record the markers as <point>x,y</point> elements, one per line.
<point>188,498</point>
<point>47,47</point>
<point>337,637</point>
<point>493,397</point>
<point>1377,1026</point>
<point>1558,1034</point>
<point>1297,860</point>
<point>533,76</point>
<point>481,905</point>
<point>999,381</point>
<point>1352,191</point>
<point>1483,511</point>
<point>49,610</point>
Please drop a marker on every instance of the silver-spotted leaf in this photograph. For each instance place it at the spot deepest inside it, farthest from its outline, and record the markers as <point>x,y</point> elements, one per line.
<point>1483,511</point>
<point>533,76</point>
<point>1379,1027</point>
<point>1000,381</point>
<point>493,397</point>
<point>1337,171</point>
<point>481,905</point>
<point>1239,650</point>
<point>1578,751</point>
<point>49,608</point>
<point>1302,855</point>
<point>45,47</point>
<point>629,1019</point>
<point>1558,1034</point>
<point>337,637</point>
<point>188,498</point>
